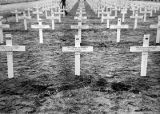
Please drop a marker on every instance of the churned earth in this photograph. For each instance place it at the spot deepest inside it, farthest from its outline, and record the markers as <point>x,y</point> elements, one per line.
<point>110,79</point>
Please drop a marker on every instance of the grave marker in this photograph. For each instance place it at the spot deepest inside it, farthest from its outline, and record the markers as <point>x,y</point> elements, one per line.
<point>108,18</point>
<point>123,12</point>
<point>2,26</point>
<point>144,49</point>
<point>37,13</point>
<point>40,27</point>
<point>144,13</point>
<point>158,30</point>
<point>79,27</point>
<point>16,12</point>
<point>9,48</point>
<point>77,50</point>
<point>119,26</point>
<point>52,18</point>
<point>136,17</point>
<point>24,17</point>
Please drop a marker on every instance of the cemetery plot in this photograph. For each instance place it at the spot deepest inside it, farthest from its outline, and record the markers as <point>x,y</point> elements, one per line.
<point>109,75</point>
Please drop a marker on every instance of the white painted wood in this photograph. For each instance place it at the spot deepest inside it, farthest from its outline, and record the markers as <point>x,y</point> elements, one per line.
<point>108,18</point>
<point>9,48</point>
<point>158,30</point>
<point>52,18</point>
<point>119,26</point>
<point>40,27</point>
<point>29,12</point>
<point>136,17</point>
<point>25,18</point>
<point>1,17</point>
<point>123,12</point>
<point>79,26</point>
<point>2,26</point>
<point>80,17</point>
<point>77,51</point>
<point>145,12</point>
<point>144,49</point>
<point>16,12</point>
<point>37,13</point>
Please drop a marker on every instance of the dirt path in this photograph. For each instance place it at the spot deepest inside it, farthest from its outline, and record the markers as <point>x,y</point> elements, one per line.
<point>45,81</point>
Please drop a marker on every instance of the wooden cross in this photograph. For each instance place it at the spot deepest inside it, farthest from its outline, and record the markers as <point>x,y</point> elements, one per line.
<point>158,30</point>
<point>100,10</point>
<point>63,10</point>
<point>2,26</point>
<point>46,12</point>
<point>77,49</point>
<point>144,13</point>
<point>16,12</point>
<point>1,17</point>
<point>9,48</point>
<point>102,15</point>
<point>80,12</point>
<point>24,17</point>
<point>108,18</point>
<point>115,11</point>
<point>59,13</point>
<point>40,27</point>
<point>79,27</point>
<point>123,12</point>
<point>80,17</point>
<point>136,17</point>
<point>144,49</point>
<point>119,26</point>
<point>29,12</point>
<point>38,13</point>
<point>52,18</point>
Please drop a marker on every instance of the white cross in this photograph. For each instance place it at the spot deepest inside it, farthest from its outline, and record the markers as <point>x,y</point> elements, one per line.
<point>52,18</point>
<point>59,13</point>
<point>38,13</point>
<point>16,12</point>
<point>40,27</point>
<point>80,12</point>
<point>115,11</point>
<point>77,50</point>
<point>158,30</point>
<point>9,48</point>
<point>24,17</point>
<point>79,27</point>
<point>108,18</point>
<point>100,10</point>
<point>80,17</point>
<point>63,10</point>
<point>123,12</point>
<point>144,49</point>
<point>29,12</point>
<point>102,15</point>
<point>1,17</point>
<point>2,26</point>
<point>136,17</point>
<point>145,14</point>
<point>119,26</point>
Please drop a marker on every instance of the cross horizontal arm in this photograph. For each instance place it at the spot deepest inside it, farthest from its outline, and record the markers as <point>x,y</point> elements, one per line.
<point>154,26</point>
<point>4,26</point>
<point>144,49</point>
<point>12,48</point>
<point>40,26</point>
<point>119,26</point>
<point>79,27</point>
<point>77,49</point>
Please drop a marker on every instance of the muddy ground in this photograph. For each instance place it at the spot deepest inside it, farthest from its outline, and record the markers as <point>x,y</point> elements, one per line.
<point>110,75</point>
